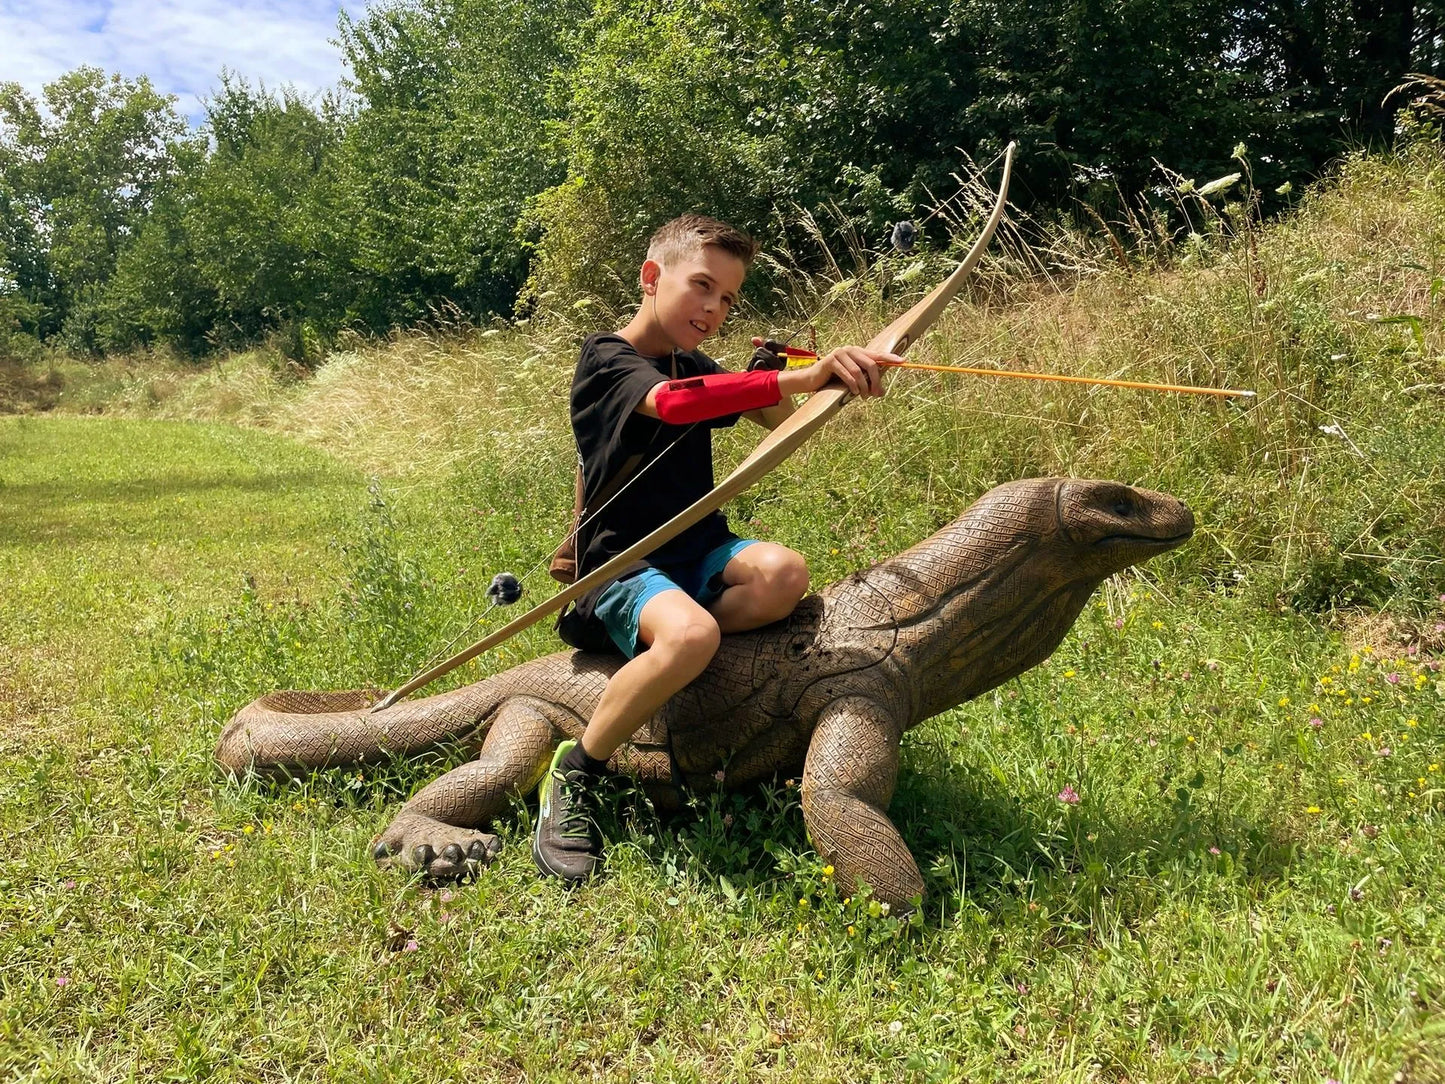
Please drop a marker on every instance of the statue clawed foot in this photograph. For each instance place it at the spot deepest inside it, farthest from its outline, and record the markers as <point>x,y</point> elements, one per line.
<point>443,852</point>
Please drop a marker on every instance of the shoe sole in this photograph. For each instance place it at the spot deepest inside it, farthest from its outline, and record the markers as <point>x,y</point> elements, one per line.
<point>547,871</point>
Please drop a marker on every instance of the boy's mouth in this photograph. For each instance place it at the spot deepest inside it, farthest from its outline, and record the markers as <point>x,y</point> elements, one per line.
<point>700,327</point>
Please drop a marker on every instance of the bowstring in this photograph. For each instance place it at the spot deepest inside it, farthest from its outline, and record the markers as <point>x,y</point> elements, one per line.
<point>570,536</point>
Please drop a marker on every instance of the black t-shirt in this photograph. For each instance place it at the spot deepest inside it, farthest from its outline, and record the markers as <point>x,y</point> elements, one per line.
<point>612,381</point>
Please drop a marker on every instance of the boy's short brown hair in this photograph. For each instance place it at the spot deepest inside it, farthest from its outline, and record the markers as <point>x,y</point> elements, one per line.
<point>687,234</point>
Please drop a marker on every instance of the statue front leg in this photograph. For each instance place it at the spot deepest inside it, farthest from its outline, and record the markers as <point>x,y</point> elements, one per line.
<point>437,832</point>
<point>847,784</point>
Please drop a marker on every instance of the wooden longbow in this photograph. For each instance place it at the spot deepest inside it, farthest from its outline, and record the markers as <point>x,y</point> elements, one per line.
<point>772,450</point>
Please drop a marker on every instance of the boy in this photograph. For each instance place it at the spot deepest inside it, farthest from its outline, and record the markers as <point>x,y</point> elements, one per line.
<point>648,393</point>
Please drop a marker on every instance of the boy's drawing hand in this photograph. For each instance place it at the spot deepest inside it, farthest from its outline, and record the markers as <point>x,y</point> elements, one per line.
<point>855,367</point>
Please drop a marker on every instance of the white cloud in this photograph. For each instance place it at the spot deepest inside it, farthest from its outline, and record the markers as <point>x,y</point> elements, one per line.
<point>182,45</point>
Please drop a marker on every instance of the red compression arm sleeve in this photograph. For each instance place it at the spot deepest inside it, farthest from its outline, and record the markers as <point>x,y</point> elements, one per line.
<point>698,398</point>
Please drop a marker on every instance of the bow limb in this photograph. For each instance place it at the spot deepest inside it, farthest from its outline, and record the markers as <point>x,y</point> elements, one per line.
<point>771,451</point>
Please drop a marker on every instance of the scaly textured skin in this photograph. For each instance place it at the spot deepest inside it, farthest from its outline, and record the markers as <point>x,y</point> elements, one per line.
<point>827,693</point>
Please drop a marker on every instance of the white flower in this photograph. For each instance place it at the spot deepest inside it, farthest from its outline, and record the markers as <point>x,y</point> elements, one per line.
<point>1219,184</point>
<point>895,1027</point>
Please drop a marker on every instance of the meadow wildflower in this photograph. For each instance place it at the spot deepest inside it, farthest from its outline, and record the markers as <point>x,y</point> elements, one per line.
<point>1313,809</point>
<point>1316,723</point>
<point>895,1027</point>
<point>1069,796</point>
<point>1393,679</point>
<point>62,980</point>
<point>411,945</point>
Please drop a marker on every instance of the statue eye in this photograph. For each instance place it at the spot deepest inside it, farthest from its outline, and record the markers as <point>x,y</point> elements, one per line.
<point>1123,508</point>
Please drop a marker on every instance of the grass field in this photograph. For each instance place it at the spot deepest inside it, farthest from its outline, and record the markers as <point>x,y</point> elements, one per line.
<point>1248,886</point>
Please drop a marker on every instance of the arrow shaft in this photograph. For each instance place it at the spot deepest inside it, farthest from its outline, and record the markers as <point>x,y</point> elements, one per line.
<point>1186,389</point>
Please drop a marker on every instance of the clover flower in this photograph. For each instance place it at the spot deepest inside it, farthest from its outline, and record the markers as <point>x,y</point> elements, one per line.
<point>1069,796</point>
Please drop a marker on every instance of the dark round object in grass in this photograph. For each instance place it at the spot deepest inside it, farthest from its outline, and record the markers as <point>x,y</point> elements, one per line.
<point>505,590</point>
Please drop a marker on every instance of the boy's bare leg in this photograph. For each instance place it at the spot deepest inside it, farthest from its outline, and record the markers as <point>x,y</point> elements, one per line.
<point>681,639</point>
<point>765,583</point>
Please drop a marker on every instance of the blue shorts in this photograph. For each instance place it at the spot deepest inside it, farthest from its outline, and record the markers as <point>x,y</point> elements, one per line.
<point>620,606</point>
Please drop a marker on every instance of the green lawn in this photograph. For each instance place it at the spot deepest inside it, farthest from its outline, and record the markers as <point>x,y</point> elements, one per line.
<point>1238,894</point>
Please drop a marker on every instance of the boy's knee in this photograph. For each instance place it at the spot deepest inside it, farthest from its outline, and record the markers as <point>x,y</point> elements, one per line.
<point>784,580</point>
<point>792,578</point>
<point>694,640</point>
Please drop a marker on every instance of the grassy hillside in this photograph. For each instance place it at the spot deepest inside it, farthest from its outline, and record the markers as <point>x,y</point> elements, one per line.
<point>1248,887</point>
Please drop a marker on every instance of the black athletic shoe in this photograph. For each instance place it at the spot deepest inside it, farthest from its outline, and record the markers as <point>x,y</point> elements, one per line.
<point>566,843</point>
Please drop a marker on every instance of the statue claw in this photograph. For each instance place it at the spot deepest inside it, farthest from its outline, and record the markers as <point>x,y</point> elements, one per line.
<point>440,851</point>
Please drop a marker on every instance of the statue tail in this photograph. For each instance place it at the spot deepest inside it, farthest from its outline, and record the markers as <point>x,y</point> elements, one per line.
<point>298,731</point>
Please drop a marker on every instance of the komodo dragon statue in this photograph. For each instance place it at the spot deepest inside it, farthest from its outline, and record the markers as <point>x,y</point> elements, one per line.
<point>826,693</point>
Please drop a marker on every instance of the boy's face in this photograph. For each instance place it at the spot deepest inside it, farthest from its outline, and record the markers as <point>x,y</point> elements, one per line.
<point>692,296</point>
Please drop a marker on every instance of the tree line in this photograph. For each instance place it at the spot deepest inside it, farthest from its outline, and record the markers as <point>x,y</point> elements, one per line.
<point>486,153</point>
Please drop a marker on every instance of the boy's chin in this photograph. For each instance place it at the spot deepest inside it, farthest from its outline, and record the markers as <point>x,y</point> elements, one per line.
<point>690,338</point>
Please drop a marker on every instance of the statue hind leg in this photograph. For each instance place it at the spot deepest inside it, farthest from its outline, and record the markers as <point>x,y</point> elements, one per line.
<point>847,784</point>
<point>438,831</point>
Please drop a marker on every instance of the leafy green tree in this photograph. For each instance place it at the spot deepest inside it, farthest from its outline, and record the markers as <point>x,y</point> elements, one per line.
<point>86,169</point>
<point>159,293</point>
<point>258,216</point>
<point>753,110</point>
<point>452,99</point>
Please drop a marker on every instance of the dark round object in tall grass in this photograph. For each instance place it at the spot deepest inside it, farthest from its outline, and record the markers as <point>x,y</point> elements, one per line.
<point>904,234</point>
<point>505,589</point>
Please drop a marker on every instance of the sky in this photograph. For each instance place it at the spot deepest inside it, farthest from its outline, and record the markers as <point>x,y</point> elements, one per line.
<point>182,45</point>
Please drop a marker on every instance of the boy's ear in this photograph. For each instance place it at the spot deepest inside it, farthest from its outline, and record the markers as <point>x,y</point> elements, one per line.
<point>650,273</point>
